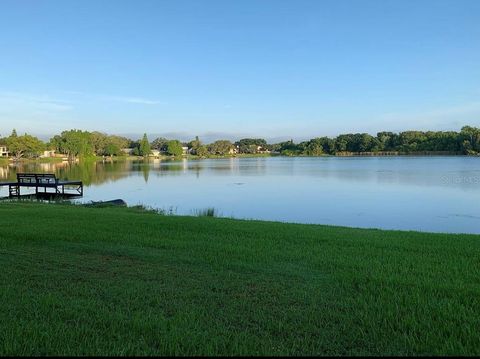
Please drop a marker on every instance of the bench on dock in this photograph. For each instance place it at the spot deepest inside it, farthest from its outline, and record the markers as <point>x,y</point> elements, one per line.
<point>41,182</point>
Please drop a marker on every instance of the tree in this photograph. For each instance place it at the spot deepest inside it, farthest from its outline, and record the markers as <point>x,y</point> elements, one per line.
<point>317,146</point>
<point>115,144</point>
<point>367,143</point>
<point>24,146</point>
<point>160,144</point>
<point>288,148</point>
<point>105,145</point>
<point>111,149</point>
<point>194,145</point>
<point>341,143</point>
<point>470,138</point>
<point>174,148</point>
<point>387,141</point>
<point>74,143</point>
<point>201,151</point>
<point>412,141</point>
<point>220,147</point>
<point>99,142</point>
<point>312,148</point>
<point>250,145</point>
<point>136,151</point>
<point>144,146</point>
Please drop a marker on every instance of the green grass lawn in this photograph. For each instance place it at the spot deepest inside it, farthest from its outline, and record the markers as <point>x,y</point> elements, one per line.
<point>118,281</point>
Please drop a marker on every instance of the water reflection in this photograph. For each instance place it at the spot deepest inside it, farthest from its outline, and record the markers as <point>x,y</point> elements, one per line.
<point>444,172</point>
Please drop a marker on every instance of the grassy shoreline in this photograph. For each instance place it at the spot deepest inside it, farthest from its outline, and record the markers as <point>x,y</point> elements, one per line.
<point>119,281</point>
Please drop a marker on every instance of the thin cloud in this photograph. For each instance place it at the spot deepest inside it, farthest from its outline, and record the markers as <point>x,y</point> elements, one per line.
<point>139,100</point>
<point>125,99</point>
<point>14,100</point>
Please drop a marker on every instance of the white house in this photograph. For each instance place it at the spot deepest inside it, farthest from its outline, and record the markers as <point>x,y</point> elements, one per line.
<point>48,153</point>
<point>155,153</point>
<point>3,151</point>
<point>260,149</point>
<point>185,150</point>
<point>128,151</point>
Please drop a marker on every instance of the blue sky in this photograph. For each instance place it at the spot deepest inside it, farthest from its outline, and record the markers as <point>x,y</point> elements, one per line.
<point>233,68</point>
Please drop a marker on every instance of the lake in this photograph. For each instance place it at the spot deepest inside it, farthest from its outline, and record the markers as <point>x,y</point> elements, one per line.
<point>438,194</point>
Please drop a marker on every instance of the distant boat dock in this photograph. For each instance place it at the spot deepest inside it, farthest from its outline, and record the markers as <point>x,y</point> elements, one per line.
<point>46,185</point>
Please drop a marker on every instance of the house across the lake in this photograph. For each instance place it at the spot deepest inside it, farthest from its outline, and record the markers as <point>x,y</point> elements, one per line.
<point>261,149</point>
<point>155,153</point>
<point>3,151</point>
<point>48,153</point>
<point>128,151</point>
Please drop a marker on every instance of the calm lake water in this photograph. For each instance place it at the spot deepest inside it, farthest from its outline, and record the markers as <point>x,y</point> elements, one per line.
<point>440,194</point>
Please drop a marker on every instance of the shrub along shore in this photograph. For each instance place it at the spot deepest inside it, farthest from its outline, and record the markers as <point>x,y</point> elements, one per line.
<point>79,280</point>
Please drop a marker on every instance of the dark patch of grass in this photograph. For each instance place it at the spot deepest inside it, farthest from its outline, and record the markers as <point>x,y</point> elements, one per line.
<point>206,212</point>
<point>117,281</point>
<point>32,198</point>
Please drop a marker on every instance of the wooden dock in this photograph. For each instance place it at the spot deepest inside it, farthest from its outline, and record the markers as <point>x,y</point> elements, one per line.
<point>45,184</point>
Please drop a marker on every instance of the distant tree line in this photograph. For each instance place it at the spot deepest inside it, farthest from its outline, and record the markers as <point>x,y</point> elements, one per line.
<point>467,141</point>
<point>77,143</point>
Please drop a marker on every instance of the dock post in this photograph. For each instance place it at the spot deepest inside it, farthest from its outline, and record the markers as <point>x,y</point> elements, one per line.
<point>13,190</point>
